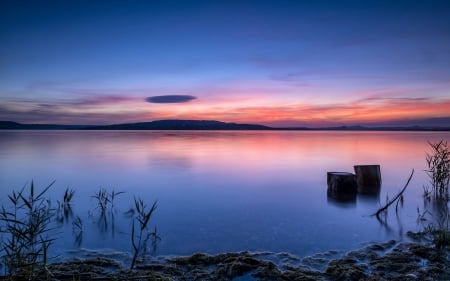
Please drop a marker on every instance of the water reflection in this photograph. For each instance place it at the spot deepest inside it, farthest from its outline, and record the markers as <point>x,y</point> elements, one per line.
<point>342,200</point>
<point>167,161</point>
<point>221,191</point>
<point>370,199</point>
<point>350,200</point>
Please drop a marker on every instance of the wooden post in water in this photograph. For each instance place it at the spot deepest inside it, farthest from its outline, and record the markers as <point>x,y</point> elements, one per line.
<point>368,178</point>
<point>341,185</point>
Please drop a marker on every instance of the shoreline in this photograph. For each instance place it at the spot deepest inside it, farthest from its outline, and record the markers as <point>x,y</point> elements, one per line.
<point>391,260</point>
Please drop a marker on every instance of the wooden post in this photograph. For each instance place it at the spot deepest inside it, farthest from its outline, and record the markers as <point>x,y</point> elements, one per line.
<point>341,184</point>
<point>368,178</point>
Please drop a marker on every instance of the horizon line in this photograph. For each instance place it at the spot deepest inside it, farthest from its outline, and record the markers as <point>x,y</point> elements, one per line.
<point>352,127</point>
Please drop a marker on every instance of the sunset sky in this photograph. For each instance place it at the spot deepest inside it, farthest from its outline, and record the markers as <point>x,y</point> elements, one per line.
<point>278,63</point>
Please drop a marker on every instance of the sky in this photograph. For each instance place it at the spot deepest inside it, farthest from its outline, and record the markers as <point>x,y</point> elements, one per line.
<point>277,63</point>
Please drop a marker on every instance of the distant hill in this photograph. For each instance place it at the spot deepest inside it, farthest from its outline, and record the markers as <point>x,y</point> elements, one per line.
<point>154,125</point>
<point>208,125</point>
<point>181,125</point>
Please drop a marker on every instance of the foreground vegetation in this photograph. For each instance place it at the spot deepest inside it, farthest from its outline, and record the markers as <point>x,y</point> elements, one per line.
<point>437,197</point>
<point>29,225</point>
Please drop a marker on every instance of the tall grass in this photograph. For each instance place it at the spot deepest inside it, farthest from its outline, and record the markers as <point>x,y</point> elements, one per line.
<point>437,196</point>
<point>25,227</point>
<point>26,232</point>
<point>64,211</point>
<point>438,162</point>
<point>106,199</point>
<point>77,231</point>
<point>102,199</point>
<point>105,204</point>
<point>440,229</point>
<point>140,237</point>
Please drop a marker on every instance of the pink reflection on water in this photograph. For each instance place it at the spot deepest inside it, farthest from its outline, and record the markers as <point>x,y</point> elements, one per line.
<point>210,183</point>
<point>251,155</point>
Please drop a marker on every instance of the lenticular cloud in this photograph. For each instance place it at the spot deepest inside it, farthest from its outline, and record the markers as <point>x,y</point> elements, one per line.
<point>170,99</point>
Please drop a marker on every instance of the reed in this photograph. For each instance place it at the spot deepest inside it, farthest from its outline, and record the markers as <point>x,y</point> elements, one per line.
<point>102,199</point>
<point>439,230</point>
<point>64,211</point>
<point>438,162</point>
<point>25,227</point>
<point>113,195</point>
<point>140,237</point>
<point>437,196</point>
<point>68,196</point>
<point>398,199</point>
<point>106,199</point>
<point>77,230</point>
<point>26,232</point>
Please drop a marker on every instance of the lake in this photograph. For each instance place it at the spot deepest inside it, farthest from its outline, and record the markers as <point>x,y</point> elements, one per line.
<point>220,191</point>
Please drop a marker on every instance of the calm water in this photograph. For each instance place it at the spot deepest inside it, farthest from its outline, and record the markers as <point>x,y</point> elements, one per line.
<point>221,191</point>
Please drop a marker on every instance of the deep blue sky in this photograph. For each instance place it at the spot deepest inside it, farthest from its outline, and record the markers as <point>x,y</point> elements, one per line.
<point>271,62</point>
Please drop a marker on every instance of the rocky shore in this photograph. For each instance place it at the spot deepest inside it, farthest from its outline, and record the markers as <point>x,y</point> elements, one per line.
<point>392,260</point>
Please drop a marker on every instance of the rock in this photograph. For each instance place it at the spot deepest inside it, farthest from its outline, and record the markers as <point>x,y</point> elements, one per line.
<point>103,262</point>
<point>301,274</point>
<point>428,253</point>
<point>376,262</point>
<point>363,255</point>
<point>195,259</point>
<point>236,266</point>
<point>287,257</point>
<point>398,262</point>
<point>268,273</point>
<point>346,269</point>
<point>382,246</point>
<point>315,262</point>
<point>416,236</point>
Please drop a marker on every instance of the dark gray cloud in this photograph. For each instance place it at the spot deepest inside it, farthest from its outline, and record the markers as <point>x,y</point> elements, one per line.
<point>170,99</point>
<point>43,114</point>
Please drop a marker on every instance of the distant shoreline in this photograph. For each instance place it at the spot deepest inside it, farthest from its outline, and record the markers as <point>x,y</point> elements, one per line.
<point>208,125</point>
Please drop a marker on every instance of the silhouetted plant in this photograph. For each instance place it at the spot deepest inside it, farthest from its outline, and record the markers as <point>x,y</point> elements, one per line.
<point>439,169</point>
<point>77,230</point>
<point>68,195</point>
<point>427,192</point>
<point>437,196</point>
<point>439,230</point>
<point>422,216</point>
<point>113,195</point>
<point>105,203</point>
<point>64,211</point>
<point>102,199</point>
<point>398,199</point>
<point>140,237</point>
<point>155,239</point>
<point>25,228</point>
<point>106,199</point>
<point>442,237</point>
<point>26,232</point>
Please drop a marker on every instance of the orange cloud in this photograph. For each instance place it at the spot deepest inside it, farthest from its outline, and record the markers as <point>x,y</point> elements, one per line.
<point>364,111</point>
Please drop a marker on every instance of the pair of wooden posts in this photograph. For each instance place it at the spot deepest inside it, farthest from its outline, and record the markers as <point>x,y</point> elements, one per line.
<point>366,180</point>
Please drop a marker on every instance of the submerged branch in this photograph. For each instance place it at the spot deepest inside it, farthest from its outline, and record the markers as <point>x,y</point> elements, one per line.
<point>377,213</point>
